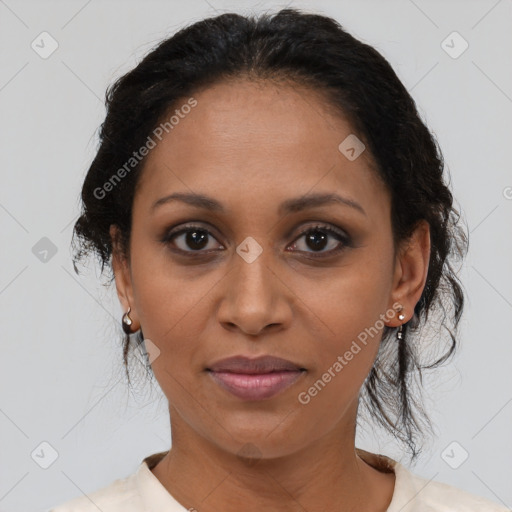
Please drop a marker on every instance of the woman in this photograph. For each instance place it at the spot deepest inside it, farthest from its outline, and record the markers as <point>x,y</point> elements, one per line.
<point>281,234</point>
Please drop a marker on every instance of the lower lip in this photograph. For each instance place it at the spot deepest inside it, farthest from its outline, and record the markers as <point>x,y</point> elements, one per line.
<point>255,386</point>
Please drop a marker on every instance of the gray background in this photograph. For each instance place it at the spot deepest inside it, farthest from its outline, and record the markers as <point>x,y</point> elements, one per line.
<point>61,378</point>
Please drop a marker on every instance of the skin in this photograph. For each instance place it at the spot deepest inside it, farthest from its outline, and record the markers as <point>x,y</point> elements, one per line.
<point>251,146</point>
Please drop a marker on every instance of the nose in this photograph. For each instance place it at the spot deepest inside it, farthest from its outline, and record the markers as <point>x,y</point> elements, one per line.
<point>255,299</point>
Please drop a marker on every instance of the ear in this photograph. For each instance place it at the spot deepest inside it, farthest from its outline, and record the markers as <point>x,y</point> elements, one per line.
<point>123,279</point>
<point>410,275</point>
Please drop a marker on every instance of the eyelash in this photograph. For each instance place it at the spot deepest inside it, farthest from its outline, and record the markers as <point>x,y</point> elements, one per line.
<point>342,238</point>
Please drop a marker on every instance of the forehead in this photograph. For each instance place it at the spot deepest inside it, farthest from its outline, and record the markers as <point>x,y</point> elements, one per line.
<point>250,137</point>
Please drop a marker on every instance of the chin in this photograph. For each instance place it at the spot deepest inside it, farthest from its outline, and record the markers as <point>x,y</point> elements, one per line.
<point>266,443</point>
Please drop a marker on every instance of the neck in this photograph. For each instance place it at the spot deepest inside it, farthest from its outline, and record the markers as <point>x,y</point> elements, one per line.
<point>328,474</point>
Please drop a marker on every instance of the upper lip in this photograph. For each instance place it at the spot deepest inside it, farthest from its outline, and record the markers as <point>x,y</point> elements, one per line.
<point>262,364</point>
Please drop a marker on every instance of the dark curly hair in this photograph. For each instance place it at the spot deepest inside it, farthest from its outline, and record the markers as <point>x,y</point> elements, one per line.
<point>356,81</point>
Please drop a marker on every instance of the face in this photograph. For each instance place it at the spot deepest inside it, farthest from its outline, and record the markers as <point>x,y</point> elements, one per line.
<point>252,277</point>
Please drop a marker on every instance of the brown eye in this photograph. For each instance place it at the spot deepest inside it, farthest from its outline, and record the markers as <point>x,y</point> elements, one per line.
<point>191,239</point>
<point>319,238</point>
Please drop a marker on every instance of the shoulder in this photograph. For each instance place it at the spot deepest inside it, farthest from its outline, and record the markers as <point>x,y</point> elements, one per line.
<point>414,493</point>
<point>120,495</point>
<point>419,494</point>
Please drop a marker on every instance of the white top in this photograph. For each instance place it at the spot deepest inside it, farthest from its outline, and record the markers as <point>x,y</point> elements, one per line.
<point>143,492</point>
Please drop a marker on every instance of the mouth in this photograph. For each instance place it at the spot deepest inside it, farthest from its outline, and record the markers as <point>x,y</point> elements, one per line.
<point>255,379</point>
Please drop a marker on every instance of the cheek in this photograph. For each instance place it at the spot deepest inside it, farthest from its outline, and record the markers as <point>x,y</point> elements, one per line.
<point>342,362</point>
<point>350,297</point>
<point>351,304</point>
<point>173,308</point>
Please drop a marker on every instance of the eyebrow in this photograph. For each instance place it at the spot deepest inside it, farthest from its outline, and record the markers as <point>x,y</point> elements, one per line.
<point>289,206</point>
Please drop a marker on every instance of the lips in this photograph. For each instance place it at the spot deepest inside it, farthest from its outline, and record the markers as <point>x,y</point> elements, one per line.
<point>257,378</point>
<point>262,364</point>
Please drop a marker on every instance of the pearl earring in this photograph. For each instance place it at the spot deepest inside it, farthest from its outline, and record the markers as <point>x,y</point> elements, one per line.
<point>399,334</point>
<point>127,322</point>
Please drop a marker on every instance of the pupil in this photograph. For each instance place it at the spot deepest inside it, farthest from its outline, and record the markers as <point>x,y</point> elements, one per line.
<point>196,239</point>
<point>313,242</point>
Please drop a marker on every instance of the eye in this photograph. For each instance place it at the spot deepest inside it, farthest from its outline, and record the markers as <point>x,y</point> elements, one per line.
<point>191,238</point>
<point>317,238</point>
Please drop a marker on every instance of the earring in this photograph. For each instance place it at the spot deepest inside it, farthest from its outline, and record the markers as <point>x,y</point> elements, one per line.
<point>399,334</point>
<point>127,322</point>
